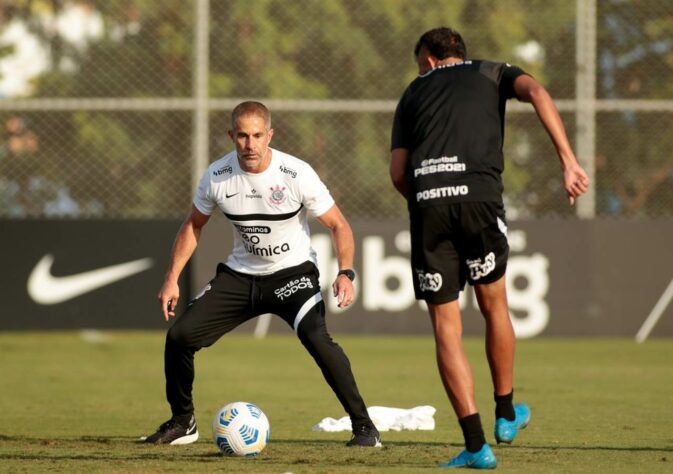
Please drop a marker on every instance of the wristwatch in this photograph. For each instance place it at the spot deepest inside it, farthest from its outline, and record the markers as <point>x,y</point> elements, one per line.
<point>348,272</point>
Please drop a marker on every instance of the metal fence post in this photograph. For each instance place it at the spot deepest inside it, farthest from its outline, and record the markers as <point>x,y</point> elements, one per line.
<point>585,87</point>
<point>200,91</point>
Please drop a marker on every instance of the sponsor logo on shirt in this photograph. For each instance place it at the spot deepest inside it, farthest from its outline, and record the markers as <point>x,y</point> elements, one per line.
<point>253,229</point>
<point>267,251</point>
<point>286,170</point>
<point>252,245</point>
<point>292,287</point>
<point>444,164</point>
<point>223,170</point>
<point>446,191</point>
<point>253,194</point>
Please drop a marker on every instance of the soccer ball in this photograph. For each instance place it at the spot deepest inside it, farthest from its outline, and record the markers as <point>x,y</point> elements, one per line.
<point>241,429</point>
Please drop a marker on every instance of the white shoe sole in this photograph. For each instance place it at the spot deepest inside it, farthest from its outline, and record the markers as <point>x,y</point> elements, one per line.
<point>186,439</point>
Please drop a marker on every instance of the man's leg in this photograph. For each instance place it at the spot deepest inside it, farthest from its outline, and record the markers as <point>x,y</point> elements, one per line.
<point>333,363</point>
<point>454,368</point>
<point>294,295</point>
<point>223,305</point>
<point>500,348</point>
<point>500,340</point>
<point>456,375</point>
<point>200,326</point>
<point>179,372</point>
<point>336,369</point>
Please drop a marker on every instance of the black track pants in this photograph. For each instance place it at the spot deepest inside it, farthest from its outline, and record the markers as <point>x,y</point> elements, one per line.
<point>232,298</point>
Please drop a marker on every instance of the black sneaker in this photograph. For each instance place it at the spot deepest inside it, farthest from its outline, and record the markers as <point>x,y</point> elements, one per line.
<point>175,431</point>
<point>366,436</point>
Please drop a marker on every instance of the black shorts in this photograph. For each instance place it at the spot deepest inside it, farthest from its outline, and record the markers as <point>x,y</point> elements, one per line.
<point>232,298</point>
<point>455,243</point>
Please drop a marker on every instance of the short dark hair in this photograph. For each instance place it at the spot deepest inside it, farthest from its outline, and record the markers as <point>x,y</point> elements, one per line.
<point>442,43</point>
<point>251,107</point>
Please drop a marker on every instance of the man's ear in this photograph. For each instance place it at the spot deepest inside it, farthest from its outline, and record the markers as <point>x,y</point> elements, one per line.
<point>231,134</point>
<point>433,61</point>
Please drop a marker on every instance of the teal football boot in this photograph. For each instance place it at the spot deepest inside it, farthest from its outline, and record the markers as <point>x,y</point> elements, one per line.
<point>506,431</point>
<point>482,459</point>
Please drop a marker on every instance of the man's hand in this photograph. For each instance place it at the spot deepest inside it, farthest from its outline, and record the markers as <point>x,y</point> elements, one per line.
<point>343,290</point>
<point>168,298</point>
<point>575,181</point>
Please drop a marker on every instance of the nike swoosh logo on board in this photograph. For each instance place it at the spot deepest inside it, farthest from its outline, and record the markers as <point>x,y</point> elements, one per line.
<point>46,289</point>
<point>230,195</point>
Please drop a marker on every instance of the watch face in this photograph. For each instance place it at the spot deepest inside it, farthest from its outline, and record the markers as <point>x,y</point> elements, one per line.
<point>349,273</point>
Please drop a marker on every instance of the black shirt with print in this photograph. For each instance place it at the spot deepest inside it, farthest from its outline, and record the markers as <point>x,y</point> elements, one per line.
<point>451,120</point>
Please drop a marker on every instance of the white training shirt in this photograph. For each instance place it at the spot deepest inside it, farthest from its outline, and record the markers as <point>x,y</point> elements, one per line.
<point>268,210</point>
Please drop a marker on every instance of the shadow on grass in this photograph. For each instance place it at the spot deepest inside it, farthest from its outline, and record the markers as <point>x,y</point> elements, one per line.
<point>592,448</point>
<point>442,444</point>
<point>138,442</point>
<point>331,442</point>
<point>133,449</point>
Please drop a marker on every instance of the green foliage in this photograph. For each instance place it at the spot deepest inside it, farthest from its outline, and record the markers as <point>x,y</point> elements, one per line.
<point>342,49</point>
<point>636,54</point>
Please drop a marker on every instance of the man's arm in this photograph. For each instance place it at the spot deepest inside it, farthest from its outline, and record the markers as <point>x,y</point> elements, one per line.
<point>183,248</point>
<point>529,90</point>
<point>398,166</point>
<point>344,246</point>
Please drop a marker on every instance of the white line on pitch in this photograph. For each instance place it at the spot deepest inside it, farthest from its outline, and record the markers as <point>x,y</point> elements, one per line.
<point>655,314</point>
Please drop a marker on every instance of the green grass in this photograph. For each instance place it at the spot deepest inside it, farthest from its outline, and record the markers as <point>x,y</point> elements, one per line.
<point>77,404</point>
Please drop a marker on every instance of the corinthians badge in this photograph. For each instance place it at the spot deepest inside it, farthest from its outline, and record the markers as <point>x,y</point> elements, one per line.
<point>278,195</point>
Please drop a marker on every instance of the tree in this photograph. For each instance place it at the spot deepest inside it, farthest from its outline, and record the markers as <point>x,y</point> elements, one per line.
<point>118,163</point>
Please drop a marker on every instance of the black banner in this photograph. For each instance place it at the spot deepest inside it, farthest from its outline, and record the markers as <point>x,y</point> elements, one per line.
<point>62,274</point>
<point>565,278</point>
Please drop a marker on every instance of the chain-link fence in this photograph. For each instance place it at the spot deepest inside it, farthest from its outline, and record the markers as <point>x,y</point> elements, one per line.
<point>112,108</point>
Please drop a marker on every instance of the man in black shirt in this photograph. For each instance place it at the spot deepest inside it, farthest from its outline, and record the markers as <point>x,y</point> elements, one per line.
<point>447,160</point>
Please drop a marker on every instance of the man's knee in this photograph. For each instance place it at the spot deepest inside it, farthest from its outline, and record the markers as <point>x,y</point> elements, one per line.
<point>492,299</point>
<point>178,335</point>
<point>446,317</point>
<point>312,329</point>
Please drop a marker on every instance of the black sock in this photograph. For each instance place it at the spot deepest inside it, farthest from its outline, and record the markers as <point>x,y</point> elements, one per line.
<point>503,406</point>
<point>472,432</point>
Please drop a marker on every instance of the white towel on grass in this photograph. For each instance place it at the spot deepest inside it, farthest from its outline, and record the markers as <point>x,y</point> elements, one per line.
<point>387,419</point>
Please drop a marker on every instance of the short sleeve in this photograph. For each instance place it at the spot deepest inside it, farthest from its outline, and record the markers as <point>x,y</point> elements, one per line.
<point>507,78</point>
<point>315,195</point>
<point>203,199</point>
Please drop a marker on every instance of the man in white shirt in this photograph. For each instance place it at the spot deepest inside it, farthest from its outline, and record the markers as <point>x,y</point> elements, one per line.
<point>267,195</point>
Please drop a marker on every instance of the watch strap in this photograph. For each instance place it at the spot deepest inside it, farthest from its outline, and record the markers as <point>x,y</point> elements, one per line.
<point>348,272</point>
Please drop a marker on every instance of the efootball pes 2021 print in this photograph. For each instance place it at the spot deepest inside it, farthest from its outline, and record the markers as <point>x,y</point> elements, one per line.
<point>241,429</point>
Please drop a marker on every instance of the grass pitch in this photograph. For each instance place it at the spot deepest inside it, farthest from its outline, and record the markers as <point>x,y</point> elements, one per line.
<point>77,402</point>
